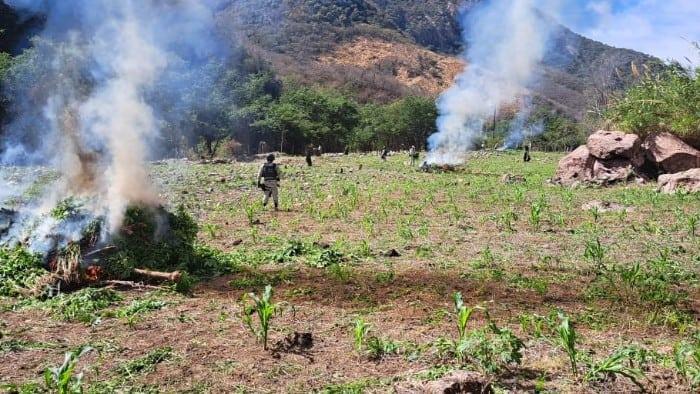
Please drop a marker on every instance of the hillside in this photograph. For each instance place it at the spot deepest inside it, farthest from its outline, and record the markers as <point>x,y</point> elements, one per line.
<point>382,49</point>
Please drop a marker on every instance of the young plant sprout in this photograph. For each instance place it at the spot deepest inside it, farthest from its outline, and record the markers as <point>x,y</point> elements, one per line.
<point>265,310</point>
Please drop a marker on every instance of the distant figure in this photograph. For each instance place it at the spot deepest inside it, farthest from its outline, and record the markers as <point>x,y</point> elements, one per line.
<point>269,181</point>
<point>385,153</point>
<point>262,147</point>
<point>308,156</point>
<point>526,155</point>
<point>346,151</point>
<point>319,152</point>
<point>413,154</point>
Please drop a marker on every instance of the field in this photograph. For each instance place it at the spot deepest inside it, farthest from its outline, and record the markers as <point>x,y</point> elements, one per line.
<point>358,240</point>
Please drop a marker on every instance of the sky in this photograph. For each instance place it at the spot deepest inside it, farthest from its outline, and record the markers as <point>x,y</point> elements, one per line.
<point>663,28</point>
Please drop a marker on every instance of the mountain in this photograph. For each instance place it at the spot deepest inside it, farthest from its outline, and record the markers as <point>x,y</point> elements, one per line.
<point>381,50</point>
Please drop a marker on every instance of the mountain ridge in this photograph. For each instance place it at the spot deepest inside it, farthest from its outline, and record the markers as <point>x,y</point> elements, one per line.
<point>312,41</point>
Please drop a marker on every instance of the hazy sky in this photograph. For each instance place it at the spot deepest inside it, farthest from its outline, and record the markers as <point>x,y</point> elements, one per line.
<point>662,28</point>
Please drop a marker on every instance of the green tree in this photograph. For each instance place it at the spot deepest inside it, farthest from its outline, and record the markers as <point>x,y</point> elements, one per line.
<point>405,122</point>
<point>306,115</point>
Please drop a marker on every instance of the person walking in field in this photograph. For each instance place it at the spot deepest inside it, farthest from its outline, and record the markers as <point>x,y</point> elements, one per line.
<point>308,156</point>
<point>269,181</point>
<point>385,153</point>
<point>413,154</point>
<point>526,155</point>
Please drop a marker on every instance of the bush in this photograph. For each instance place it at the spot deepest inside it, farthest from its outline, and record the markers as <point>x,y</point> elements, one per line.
<point>668,102</point>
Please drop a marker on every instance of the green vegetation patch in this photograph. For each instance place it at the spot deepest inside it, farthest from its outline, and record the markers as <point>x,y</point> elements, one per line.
<point>19,270</point>
<point>147,363</point>
<point>83,305</point>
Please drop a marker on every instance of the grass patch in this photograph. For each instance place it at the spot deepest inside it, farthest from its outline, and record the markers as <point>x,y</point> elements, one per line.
<point>146,363</point>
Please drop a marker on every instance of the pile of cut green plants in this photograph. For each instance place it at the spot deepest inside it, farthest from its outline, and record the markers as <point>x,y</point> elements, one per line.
<point>67,249</point>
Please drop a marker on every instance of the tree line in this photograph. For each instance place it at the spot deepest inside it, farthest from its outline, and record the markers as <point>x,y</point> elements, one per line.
<point>232,107</point>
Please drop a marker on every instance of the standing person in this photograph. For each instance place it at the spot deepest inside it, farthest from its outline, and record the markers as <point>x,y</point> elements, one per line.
<point>385,153</point>
<point>320,150</point>
<point>413,155</point>
<point>526,155</point>
<point>269,181</point>
<point>308,156</point>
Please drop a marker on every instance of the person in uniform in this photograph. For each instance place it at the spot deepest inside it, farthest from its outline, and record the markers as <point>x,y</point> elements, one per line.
<point>413,154</point>
<point>308,156</point>
<point>269,181</point>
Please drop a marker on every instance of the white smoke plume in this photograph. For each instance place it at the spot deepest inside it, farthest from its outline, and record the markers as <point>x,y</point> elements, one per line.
<point>505,41</point>
<point>87,109</point>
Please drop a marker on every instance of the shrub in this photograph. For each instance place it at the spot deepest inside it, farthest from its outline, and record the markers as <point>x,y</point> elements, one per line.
<point>666,102</point>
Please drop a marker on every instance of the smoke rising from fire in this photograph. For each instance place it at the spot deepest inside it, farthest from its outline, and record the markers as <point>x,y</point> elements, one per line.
<point>505,41</point>
<point>87,108</point>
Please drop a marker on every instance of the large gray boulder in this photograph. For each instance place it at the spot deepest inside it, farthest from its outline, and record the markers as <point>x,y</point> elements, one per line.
<point>607,145</point>
<point>688,181</point>
<point>611,171</point>
<point>670,153</point>
<point>575,167</point>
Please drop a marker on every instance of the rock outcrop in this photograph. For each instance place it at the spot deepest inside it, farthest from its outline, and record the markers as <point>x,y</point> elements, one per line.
<point>613,156</point>
<point>616,170</point>
<point>670,153</point>
<point>575,167</point>
<point>606,145</point>
<point>688,181</point>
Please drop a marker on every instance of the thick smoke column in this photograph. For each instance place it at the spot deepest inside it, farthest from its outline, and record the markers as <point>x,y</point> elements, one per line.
<point>505,39</point>
<point>87,112</point>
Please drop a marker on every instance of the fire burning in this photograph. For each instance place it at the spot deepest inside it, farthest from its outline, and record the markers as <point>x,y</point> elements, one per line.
<point>87,110</point>
<point>500,62</point>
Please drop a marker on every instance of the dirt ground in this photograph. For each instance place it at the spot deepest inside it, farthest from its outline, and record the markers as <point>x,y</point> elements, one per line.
<point>525,252</point>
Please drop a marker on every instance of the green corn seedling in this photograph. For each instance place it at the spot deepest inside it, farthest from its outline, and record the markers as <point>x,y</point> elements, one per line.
<point>360,330</point>
<point>615,365</point>
<point>686,358</point>
<point>692,222</point>
<point>595,212</point>
<point>595,253</point>
<point>463,315</point>
<point>251,210</point>
<point>265,310</point>
<point>535,215</point>
<point>61,379</point>
<point>567,338</point>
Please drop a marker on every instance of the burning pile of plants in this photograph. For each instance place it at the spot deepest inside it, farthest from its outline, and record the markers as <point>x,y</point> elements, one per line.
<point>68,249</point>
<point>440,168</point>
